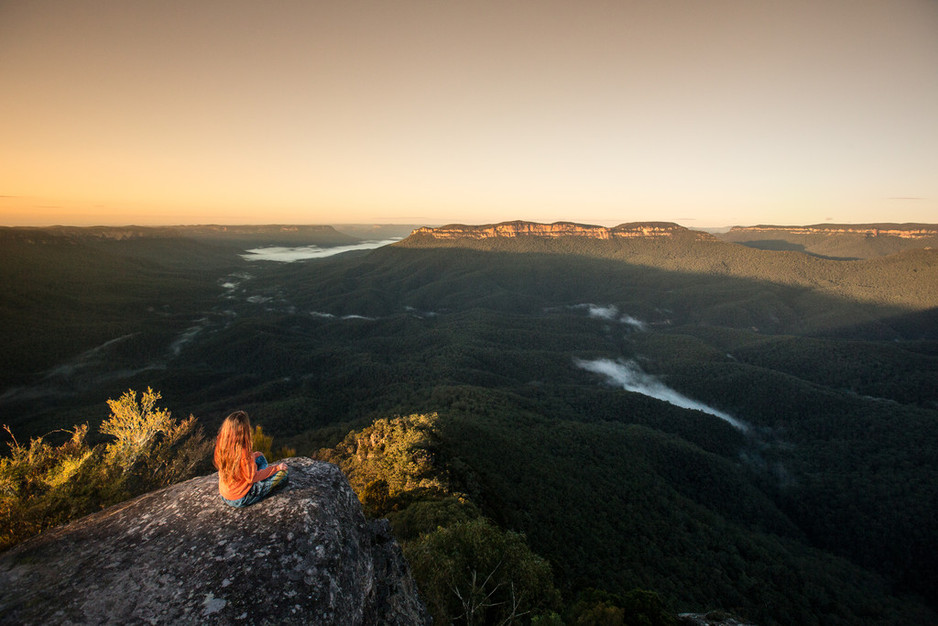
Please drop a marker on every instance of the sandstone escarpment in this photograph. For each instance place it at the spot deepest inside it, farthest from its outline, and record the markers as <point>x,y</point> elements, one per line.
<point>305,555</point>
<point>556,230</point>
<point>903,231</point>
<point>840,241</point>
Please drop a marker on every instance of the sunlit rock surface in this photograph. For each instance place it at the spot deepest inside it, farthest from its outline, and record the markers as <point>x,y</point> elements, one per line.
<point>903,231</point>
<point>557,229</point>
<point>839,241</point>
<point>180,555</point>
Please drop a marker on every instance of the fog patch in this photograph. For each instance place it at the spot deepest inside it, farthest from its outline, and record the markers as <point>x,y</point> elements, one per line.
<point>420,314</point>
<point>90,358</point>
<point>92,367</point>
<point>611,313</point>
<point>629,376</point>
<point>282,254</point>
<point>232,283</point>
<point>637,324</point>
<point>187,336</point>
<point>411,311</point>
<point>600,312</point>
<point>330,316</point>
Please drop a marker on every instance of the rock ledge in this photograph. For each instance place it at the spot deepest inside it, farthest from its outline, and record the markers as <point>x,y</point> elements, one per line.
<point>180,555</point>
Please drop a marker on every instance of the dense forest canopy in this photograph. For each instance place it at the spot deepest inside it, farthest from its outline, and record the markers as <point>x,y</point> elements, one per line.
<point>817,506</point>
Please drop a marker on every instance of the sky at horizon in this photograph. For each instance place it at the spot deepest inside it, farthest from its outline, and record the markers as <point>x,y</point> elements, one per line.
<point>424,112</point>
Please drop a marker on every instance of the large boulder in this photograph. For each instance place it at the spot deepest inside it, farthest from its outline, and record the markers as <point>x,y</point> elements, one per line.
<point>179,555</point>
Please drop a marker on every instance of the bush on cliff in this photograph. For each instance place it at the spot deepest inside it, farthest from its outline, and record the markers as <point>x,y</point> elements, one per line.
<point>468,569</point>
<point>264,443</point>
<point>477,573</point>
<point>43,485</point>
<point>401,452</point>
<point>635,608</point>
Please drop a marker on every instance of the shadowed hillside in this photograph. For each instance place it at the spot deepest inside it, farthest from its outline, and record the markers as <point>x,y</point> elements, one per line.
<point>904,279</point>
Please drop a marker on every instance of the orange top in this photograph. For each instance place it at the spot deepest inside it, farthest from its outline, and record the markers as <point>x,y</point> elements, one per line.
<point>247,475</point>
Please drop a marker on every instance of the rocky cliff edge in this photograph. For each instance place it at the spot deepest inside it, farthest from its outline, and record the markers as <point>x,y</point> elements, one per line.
<point>902,231</point>
<point>557,229</point>
<point>180,555</point>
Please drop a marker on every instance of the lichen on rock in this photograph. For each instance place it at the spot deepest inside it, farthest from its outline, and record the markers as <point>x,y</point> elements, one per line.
<point>306,554</point>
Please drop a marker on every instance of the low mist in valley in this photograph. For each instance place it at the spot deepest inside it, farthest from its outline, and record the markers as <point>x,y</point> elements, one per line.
<point>629,376</point>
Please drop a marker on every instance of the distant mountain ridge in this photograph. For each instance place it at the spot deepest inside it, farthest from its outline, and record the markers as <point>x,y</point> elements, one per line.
<point>898,274</point>
<point>923,235</point>
<point>904,231</point>
<point>840,241</point>
<point>267,233</point>
<point>519,228</point>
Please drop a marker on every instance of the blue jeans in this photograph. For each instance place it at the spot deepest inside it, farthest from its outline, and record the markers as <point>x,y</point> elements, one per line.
<point>261,488</point>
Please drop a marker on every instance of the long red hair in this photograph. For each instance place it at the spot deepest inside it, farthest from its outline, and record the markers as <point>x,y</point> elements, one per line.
<point>233,446</point>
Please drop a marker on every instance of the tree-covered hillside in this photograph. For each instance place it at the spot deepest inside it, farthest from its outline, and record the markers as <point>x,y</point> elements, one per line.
<point>838,241</point>
<point>586,394</point>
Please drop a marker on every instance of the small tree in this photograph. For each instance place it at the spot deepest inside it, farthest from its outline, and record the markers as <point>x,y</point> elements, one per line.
<point>134,426</point>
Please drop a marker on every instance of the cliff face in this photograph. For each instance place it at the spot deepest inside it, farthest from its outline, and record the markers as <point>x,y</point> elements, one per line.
<point>838,241</point>
<point>555,230</point>
<point>305,555</point>
<point>903,231</point>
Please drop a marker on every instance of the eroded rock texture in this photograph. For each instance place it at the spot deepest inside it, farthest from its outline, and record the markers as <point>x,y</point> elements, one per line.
<point>180,555</point>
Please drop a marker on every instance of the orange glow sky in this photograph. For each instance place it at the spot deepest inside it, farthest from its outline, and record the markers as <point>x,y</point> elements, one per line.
<point>704,113</point>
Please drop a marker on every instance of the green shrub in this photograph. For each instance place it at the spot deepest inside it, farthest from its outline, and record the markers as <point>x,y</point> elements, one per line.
<point>476,573</point>
<point>425,516</point>
<point>43,485</point>
<point>468,569</point>
<point>30,474</point>
<point>638,607</point>
<point>401,451</point>
<point>547,619</point>
<point>264,443</point>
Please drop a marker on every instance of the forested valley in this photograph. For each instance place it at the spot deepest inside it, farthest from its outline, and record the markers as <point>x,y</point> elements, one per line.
<point>641,428</point>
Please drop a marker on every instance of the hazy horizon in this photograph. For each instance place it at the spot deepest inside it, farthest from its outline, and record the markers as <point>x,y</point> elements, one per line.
<point>375,224</point>
<point>707,115</point>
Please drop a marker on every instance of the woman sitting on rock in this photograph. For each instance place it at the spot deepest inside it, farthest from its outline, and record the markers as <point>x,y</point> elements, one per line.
<point>243,475</point>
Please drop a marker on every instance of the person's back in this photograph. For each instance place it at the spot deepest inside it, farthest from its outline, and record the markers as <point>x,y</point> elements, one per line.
<point>244,477</point>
